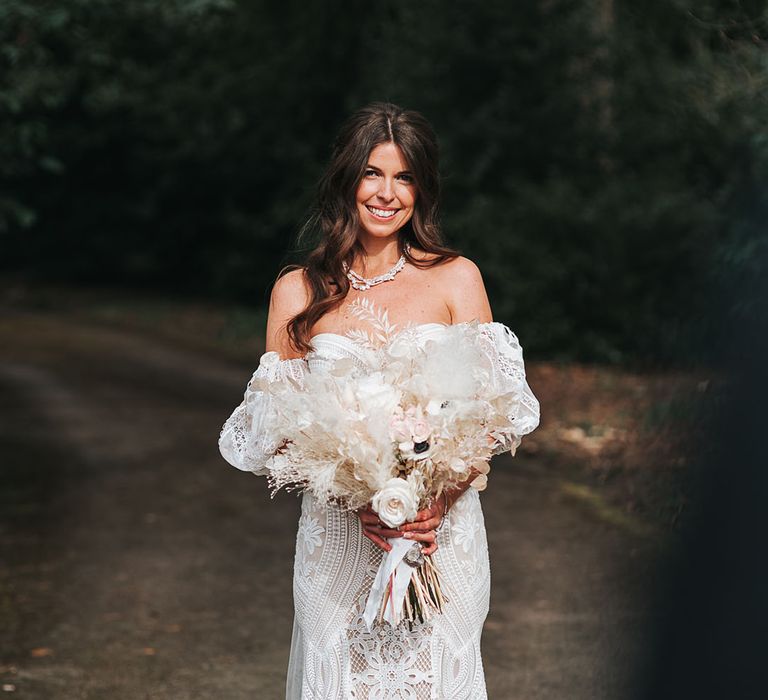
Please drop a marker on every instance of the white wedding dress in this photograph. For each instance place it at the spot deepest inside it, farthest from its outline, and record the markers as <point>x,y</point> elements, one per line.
<point>333,655</point>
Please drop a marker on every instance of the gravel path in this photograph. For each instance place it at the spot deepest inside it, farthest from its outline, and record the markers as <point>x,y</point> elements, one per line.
<point>137,564</point>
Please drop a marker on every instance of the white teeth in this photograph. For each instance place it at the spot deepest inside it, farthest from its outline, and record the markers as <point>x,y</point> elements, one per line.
<point>384,213</point>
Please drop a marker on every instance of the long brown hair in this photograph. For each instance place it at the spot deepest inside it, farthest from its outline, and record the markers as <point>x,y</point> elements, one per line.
<point>334,215</point>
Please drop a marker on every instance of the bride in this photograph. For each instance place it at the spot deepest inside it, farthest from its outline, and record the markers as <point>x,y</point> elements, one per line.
<point>377,212</point>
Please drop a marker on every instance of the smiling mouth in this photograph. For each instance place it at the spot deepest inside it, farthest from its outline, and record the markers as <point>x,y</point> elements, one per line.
<point>381,213</point>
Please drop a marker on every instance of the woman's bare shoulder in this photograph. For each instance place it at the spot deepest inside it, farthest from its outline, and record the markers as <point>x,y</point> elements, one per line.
<point>465,292</point>
<point>457,263</point>
<point>290,296</point>
<point>458,272</point>
<point>290,293</point>
<point>466,268</point>
<point>423,255</point>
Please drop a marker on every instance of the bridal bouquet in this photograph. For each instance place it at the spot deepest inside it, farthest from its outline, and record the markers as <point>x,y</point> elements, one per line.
<point>395,431</point>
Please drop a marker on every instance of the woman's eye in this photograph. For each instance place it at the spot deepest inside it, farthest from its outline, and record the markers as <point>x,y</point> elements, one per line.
<point>405,177</point>
<point>370,173</point>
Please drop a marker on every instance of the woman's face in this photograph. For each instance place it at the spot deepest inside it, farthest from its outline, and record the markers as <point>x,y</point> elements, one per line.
<point>387,193</point>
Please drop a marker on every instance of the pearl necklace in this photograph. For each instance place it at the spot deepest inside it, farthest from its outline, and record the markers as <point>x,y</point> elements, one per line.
<point>362,283</point>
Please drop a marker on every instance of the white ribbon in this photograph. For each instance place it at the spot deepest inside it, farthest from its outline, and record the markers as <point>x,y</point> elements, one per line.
<point>393,562</point>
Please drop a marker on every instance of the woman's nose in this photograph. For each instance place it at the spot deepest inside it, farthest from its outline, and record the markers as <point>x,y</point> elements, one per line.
<point>386,189</point>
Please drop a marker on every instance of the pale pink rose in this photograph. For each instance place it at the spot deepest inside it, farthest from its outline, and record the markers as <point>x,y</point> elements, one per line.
<point>399,429</point>
<point>420,430</point>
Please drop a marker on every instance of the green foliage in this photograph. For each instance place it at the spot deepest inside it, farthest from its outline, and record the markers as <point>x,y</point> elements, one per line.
<point>590,149</point>
<point>181,133</point>
<point>604,162</point>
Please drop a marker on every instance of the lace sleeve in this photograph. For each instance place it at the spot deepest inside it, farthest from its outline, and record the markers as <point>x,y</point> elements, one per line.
<point>508,375</point>
<point>243,442</point>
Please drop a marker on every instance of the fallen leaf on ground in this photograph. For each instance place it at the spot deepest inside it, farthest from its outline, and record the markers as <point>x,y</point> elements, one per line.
<point>39,652</point>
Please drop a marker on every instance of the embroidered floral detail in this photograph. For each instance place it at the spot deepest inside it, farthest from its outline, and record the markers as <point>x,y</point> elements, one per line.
<point>390,662</point>
<point>311,533</point>
<point>465,530</point>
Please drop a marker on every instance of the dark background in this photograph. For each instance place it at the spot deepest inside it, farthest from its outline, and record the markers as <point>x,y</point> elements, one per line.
<point>604,161</point>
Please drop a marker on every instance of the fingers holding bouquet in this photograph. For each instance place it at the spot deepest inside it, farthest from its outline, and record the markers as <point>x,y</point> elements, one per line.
<point>423,528</point>
<point>374,529</point>
<point>426,537</point>
<point>430,517</point>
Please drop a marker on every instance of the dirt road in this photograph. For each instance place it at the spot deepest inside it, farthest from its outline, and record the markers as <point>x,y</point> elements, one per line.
<point>138,564</point>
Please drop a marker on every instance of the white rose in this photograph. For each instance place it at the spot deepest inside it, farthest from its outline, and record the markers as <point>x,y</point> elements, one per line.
<point>396,502</point>
<point>375,394</point>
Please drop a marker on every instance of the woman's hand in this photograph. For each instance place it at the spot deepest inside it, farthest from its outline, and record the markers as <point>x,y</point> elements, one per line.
<point>424,526</point>
<point>374,529</point>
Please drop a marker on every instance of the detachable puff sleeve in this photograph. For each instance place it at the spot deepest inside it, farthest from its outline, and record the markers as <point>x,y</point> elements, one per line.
<point>243,442</point>
<point>508,375</point>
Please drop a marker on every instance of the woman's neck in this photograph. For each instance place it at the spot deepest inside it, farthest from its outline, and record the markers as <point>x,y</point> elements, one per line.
<point>380,254</point>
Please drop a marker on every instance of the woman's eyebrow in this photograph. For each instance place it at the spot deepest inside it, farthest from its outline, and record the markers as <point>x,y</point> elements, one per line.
<point>378,170</point>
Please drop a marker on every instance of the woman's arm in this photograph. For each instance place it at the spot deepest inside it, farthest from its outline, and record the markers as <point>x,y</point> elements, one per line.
<point>243,440</point>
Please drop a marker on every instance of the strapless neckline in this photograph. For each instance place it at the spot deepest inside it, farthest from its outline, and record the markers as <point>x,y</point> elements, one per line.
<point>329,342</point>
<point>417,326</point>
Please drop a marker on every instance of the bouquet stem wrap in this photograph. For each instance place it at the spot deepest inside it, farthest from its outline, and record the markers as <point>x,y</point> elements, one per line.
<point>401,590</point>
<point>391,564</point>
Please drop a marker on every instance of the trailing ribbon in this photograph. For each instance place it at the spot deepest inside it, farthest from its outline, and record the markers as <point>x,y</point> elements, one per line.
<point>391,564</point>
